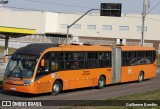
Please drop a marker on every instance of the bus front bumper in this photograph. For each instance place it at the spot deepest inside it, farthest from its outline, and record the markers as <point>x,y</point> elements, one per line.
<point>18,88</point>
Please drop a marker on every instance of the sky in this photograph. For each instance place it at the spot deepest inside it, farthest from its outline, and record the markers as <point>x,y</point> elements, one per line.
<point>81,6</point>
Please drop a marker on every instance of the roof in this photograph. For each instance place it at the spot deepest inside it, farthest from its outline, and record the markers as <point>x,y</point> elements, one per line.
<point>35,49</point>
<point>14,32</point>
<point>135,48</point>
<point>38,48</point>
<point>85,48</point>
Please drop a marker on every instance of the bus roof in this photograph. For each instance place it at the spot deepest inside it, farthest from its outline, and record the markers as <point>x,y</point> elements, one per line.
<point>85,48</point>
<point>38,48</point>
<point>135,48</point>
<point>35,49</point>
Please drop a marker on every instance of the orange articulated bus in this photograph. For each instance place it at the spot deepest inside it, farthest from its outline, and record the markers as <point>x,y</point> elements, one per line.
<point>42,68</point>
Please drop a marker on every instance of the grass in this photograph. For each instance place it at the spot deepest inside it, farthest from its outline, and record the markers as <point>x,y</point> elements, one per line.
<point>150,95</point>
<point>10,50</point>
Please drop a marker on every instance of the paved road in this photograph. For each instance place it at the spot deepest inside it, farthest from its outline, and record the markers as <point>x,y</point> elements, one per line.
<point>109,91</point>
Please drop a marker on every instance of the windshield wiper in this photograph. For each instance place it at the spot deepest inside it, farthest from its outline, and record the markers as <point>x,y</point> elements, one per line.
<point>13,70</point>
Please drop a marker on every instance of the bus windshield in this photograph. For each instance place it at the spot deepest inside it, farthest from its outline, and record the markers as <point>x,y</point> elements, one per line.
<point>21,66</point>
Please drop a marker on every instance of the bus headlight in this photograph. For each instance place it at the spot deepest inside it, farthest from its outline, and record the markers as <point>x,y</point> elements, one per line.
<point>27,82</point>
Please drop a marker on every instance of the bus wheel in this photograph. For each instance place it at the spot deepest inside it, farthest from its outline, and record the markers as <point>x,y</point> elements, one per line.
<point>101,82</point>
<point>140,77</point>
<point>56,89</point>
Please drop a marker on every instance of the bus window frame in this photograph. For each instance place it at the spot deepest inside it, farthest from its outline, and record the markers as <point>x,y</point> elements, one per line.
<point>39,65</point>
<point>153,58</point>
<point>57,61</point>
<point>72,61</point>
<point>94,60</point>
<point>109,59</point>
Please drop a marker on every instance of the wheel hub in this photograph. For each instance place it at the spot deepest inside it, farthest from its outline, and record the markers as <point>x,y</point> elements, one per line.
<point>56,88</point>
<point>101,82</point>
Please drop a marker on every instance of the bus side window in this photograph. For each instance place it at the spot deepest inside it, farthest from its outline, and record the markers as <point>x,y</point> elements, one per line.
<point>54,63</point>
<point>57,61</point>
<point>126,59</point>
<point>104,59</point>
<point>74,60</point>
<point>68,60</point>
<point>92,60</point>
<point>151,56</point>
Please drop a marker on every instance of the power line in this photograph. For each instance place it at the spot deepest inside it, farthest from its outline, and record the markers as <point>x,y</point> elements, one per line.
<point>69,5</point>
<point>152,19</point>
<point>153,8</point>
<point>51,3</point>
<point>57,12</point>
<point>23,8</point>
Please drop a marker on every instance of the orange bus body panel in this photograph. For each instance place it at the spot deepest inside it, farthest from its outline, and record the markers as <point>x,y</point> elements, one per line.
<point>131,73</point>
<point>19,88</point>
<point>135,48</point>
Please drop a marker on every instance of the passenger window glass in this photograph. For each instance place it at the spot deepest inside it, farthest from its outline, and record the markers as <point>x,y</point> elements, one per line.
<point>74,60</point>
<point>92,60</point>
<point>104,59</point>
<point>57,61</point>
<point>138,58</point>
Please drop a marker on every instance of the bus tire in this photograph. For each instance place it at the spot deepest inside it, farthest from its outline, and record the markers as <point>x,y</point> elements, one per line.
<point>101,82</point>
<point>141,77</point>
<point>56,88</point>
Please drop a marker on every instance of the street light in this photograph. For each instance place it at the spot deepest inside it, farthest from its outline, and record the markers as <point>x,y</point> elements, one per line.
<point>107,9</point>
<point>69,26</point>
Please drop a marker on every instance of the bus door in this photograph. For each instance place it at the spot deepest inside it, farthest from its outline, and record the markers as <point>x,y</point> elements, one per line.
<point>42,83</point>
<point>116,64</point>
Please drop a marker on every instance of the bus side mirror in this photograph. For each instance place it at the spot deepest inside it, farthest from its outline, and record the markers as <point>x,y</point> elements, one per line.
<point>42,63</point>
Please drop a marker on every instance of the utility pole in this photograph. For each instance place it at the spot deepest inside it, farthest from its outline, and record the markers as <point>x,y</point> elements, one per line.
<point>3,2</point>
<point>143,21</point>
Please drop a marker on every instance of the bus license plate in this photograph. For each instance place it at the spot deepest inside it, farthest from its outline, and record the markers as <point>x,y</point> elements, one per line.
<point>13,88</point>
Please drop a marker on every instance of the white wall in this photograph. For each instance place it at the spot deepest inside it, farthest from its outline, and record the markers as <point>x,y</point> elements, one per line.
<point>51,22</point>
<point>23,19</point>
<point>131,20</point>
<point>48,22</point>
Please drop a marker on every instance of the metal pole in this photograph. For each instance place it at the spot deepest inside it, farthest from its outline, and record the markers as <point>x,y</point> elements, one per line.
<point>6,48</point>
<point>6,45</point>
<point>67,34</point>
<point>69,26</point>
<point>143,21</point>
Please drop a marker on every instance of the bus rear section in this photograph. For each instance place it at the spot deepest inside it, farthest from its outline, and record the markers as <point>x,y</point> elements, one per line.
<point>133,63</point>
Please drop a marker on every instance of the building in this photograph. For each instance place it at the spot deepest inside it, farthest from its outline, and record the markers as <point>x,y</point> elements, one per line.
<point>92,27</point>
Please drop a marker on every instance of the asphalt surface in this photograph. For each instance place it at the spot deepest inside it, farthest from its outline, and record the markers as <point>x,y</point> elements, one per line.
<point>109,91</point>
